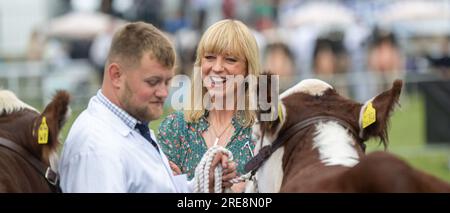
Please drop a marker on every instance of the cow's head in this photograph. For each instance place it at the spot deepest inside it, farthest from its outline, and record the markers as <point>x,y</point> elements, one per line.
<point>34,131</point>
<point>314,97</point>
<point>311,98</point>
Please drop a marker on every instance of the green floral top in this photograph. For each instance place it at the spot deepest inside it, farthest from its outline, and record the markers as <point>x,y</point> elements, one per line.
<point>184,145</point>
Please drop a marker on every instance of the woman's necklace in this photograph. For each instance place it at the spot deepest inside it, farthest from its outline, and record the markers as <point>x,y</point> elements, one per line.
<point>218,136</point>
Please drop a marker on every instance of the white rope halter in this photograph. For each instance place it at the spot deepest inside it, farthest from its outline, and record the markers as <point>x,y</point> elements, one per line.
<point>202,171</point>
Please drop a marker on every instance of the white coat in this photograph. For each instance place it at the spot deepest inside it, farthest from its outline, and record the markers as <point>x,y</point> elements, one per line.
<point>103,154</point>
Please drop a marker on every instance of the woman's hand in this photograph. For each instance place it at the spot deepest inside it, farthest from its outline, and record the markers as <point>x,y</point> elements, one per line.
<point>175,169</point>
<point>229,171</point>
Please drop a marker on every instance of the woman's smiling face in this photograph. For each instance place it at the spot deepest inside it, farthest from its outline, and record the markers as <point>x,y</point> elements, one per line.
<point>215,70</point>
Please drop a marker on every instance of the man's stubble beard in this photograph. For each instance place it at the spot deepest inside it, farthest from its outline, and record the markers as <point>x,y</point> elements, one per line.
<point>137,112</point>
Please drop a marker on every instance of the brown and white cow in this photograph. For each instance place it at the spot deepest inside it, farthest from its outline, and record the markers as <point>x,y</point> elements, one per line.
<point>29,143</point>
<point>325,152</point>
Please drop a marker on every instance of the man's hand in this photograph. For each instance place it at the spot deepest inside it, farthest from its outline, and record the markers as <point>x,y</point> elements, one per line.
<point>228,172</point>
<point>175,169</point>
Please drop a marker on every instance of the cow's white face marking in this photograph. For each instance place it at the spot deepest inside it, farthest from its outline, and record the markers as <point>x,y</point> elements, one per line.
<point>335,145</point>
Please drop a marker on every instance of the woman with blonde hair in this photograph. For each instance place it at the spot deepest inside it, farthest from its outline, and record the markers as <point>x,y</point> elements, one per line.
<point>227,51</point>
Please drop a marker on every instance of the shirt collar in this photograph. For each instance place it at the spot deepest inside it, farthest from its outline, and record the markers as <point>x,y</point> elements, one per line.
<point>129,120</point>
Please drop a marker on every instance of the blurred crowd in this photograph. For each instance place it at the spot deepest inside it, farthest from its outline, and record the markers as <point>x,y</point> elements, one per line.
<point>297,38</point>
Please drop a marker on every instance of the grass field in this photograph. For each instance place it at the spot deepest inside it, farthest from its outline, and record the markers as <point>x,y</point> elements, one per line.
<point>406,134</point>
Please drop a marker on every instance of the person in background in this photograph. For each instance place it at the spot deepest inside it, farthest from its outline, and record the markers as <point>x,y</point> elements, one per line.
<point>279,60</point>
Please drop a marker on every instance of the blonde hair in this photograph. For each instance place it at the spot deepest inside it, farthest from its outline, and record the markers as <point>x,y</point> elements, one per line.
<point>227,37</point>
<point>133,40</point>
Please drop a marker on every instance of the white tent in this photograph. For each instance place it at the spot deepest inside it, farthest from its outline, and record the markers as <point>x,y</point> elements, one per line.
<point>82,25</point>
<point>419,17</point>
<point>319,14</point>
<point>414,11</point>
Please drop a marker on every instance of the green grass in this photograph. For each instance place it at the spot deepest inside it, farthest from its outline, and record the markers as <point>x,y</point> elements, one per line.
<point>406,134</point>
<point>407,139</point>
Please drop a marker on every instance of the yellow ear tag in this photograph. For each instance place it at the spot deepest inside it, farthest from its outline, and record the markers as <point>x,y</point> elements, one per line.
<point>369,116</point>
<point>280,113</point>
<point>43,132</point>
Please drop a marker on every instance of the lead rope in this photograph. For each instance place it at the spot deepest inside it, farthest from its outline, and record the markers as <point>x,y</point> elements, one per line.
<point>201,177</point>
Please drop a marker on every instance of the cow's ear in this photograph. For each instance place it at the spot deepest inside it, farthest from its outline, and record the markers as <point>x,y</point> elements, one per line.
<point>269,105</point>
<point>375,114</point>
<point>52,119</point>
